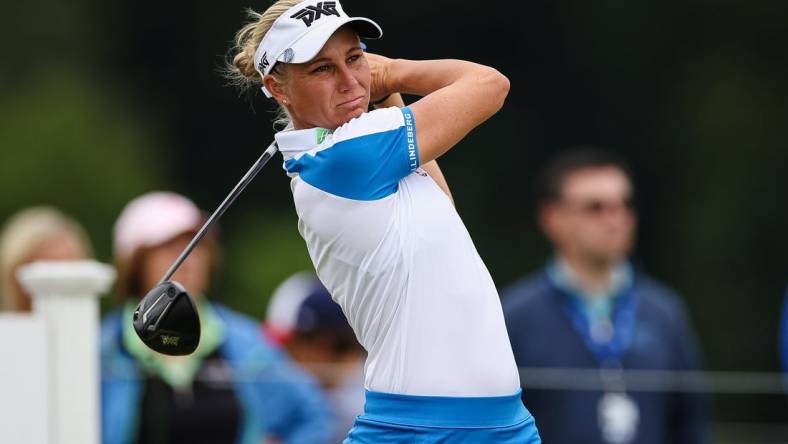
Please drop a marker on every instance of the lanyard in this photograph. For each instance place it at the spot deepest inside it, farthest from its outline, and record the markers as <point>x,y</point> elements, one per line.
<point>608,350</point>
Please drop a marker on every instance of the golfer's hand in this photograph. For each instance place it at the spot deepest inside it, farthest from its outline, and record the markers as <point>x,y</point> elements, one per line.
<point>379,68</point>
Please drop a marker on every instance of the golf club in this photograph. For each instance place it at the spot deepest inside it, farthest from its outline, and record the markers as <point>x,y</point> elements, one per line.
<point>166,319</point>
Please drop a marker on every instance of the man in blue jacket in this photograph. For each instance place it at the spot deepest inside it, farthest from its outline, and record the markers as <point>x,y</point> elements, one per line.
<point>589,308</point>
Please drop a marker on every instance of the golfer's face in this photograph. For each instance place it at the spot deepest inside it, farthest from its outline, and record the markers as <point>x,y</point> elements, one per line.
<point>333,87</point>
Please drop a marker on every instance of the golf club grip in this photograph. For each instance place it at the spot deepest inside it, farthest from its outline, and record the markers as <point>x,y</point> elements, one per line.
<point>248,177</point>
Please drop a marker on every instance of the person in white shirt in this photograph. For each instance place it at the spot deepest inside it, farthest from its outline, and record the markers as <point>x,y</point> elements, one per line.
<point>383,235</point>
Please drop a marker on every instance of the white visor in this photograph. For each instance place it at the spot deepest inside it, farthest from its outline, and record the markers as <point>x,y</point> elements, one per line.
<point>301,31</point>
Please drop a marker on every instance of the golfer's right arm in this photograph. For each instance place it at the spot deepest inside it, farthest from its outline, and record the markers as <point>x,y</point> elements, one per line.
<point>456,95</point>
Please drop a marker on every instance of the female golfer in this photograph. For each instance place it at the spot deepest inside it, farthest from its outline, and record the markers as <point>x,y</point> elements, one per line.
<point>384,237</point>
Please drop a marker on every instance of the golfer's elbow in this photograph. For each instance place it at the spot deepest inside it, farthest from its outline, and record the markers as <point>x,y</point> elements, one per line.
<point>495,86</point>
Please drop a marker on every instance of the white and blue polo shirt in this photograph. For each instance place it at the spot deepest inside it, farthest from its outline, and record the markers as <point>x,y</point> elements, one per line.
<point>390,247</point>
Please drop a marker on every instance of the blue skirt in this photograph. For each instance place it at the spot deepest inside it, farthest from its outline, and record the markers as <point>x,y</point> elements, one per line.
<point>392,418</point>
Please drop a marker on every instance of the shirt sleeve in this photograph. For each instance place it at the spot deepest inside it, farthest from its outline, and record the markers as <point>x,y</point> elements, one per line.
<point>365,159</point>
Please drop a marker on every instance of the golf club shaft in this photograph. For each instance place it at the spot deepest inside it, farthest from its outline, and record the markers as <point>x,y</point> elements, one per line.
<point>258,165</point>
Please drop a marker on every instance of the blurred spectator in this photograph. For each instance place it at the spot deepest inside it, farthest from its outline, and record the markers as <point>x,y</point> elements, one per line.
<point>237,387</point>
<point>590,308</point>
<point>36,234</point>
<point>303,318</point>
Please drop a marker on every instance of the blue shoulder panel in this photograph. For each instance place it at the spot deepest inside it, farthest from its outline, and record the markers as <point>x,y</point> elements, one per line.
<point>367,167</point>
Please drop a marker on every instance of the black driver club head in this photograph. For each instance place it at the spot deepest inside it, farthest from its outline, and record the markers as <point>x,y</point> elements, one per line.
<point>166,320</point>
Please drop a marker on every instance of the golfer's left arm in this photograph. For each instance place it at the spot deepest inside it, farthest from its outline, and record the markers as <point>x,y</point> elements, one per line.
<point>456,96</point>
<point>430,167</point>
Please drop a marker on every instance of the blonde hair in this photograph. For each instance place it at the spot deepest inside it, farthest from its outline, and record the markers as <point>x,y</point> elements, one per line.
<point>240,72</point>
<point>25,232</point>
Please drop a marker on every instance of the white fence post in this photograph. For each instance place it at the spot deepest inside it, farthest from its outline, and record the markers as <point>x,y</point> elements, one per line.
<point>65,295</point>
<point>24,383</point>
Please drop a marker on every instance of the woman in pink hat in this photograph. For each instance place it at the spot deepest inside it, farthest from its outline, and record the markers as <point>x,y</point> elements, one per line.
<point>235,388</point>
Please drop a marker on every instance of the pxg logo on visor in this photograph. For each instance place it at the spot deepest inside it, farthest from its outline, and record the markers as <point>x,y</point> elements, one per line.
<point>263,66</point>
<point>312,13</point>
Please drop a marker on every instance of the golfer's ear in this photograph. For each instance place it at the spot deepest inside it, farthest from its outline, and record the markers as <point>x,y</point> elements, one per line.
<point>275,88</point>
